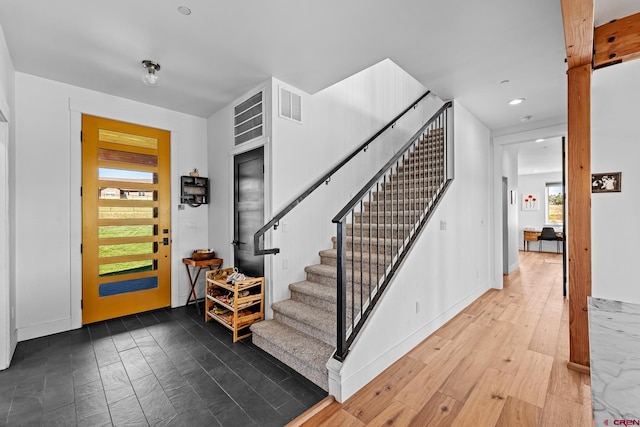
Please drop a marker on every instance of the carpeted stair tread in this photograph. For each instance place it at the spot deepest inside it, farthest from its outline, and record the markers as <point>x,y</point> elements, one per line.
<point>369,257</point>
<point>300,351</point>
<point>315,290</point>
<point>305,313</point>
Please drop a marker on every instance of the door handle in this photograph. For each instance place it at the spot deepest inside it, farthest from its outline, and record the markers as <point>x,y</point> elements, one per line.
<point>165,241</point>
<point>237,243</point>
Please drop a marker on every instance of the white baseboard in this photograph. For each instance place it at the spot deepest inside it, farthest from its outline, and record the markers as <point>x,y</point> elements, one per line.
<point>343,385</point>
<point>50,328</point>
<point>513,266</point>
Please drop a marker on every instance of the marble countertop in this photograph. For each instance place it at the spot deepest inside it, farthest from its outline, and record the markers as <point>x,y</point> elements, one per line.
<point>614,340</point>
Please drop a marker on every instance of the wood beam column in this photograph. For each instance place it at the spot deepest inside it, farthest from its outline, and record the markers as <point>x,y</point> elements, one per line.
<point>579,212</point>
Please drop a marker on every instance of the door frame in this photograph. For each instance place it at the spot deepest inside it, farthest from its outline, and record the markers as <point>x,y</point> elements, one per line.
<point>78,107</point>
<point>265,142</point>
<point>505,225</point>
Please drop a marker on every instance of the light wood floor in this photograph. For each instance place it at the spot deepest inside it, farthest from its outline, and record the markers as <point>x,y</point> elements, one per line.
<point>501,362</point>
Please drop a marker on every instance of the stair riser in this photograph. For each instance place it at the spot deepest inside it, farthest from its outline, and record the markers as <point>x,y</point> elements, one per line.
<point>423,154</point>
<point>365,266</point>
<point>417,172</point>
<point>317,375</point>
<point>408,218</point>
<point>409,186</point>
<point>379,230</point>
<point>393,204</point>
<point>328,305</point>
<point>425,160</point>
<point>418,193</point>
<point>383,246</point>
<point>328,337</point>
<point>331,280</point>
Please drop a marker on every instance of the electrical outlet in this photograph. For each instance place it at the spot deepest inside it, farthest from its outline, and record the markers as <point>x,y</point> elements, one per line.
<point>443,224</point>
<point>180,207</point>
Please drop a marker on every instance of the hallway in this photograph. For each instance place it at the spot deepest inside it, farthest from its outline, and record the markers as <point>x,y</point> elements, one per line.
<point>501,362</point>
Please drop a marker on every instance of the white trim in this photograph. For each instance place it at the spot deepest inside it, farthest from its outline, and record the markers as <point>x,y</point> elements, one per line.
<point>7,336</point>
<point>44,329</point>
<point>264,142</point>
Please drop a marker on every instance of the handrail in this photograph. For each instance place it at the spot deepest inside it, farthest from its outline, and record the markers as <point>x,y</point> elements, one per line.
<point>324,179</point>
<point>354,201</point>
<point>378,226</point>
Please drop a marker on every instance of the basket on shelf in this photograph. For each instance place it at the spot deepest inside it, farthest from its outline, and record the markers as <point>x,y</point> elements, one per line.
<point>203,254</point>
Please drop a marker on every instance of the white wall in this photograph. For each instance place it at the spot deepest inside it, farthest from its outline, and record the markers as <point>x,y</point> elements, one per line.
<point>615,134</point>
<point>536,183</point>
<point>510,171</point>
<point>48,204</point>
<point>336,121</point>
<point>8,336</point>
<point>444,272</point>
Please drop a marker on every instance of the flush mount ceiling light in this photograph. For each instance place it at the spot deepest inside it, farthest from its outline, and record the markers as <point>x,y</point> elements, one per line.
<point>516,101</point>
<point>150,78</point>
<point>184,10</point>
<point>540,140</point>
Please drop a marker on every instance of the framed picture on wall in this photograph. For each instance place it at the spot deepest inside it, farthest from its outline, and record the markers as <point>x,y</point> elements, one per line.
<point>610,182</point>
<point>530,202</point>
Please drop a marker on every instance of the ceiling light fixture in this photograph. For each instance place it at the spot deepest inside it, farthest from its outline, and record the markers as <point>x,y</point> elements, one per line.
<point>516,101</point>
<point>150,78</point>
<point>184,10</point>
<point>540,140</point>
<point>525,118</point>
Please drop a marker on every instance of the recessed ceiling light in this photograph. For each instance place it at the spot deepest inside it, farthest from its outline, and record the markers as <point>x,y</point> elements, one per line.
<point>540,140</point>
<point>516,101</point>
<point>525,118</point>
<point>184,10</point>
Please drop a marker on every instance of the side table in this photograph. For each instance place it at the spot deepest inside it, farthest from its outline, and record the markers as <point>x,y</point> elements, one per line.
<point>212,264</point>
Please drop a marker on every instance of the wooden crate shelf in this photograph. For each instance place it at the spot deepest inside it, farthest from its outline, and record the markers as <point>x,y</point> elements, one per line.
<point>244,300</point>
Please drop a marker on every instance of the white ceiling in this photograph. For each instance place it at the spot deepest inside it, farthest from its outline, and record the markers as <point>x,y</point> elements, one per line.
<point>539,157</point>
<point>460,49</point>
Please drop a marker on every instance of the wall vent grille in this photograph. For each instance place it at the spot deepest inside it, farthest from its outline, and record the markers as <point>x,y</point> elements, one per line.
<point>248,121</point>
<point>290,105</point>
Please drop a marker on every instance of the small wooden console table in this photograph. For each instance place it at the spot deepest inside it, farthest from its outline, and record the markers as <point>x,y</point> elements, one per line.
<point>212,264</point>
<point>532,236</point>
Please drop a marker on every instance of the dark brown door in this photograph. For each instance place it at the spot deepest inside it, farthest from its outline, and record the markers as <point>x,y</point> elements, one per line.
<point>248,174</point>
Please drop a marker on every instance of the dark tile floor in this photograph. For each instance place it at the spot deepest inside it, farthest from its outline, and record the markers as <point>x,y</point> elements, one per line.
<point>165,367</point>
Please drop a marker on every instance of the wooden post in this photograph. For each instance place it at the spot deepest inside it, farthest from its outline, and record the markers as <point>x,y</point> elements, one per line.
<point>579,212</point>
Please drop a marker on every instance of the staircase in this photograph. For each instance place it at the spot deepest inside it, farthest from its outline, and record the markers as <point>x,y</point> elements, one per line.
<point>303,332</point>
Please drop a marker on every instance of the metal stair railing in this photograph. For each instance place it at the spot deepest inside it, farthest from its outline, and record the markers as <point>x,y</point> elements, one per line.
<point>378,226</point>
<point>275,221</point>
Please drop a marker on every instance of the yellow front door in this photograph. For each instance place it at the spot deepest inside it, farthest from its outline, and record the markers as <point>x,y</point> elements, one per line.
<point>126,236</point>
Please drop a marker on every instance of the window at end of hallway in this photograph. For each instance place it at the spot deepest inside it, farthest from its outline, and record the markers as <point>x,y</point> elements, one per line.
<point>555,202</point>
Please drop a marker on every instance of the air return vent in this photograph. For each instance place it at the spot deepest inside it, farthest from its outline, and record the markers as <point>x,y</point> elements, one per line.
<point>247,120</point>
<point>290,105</point>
